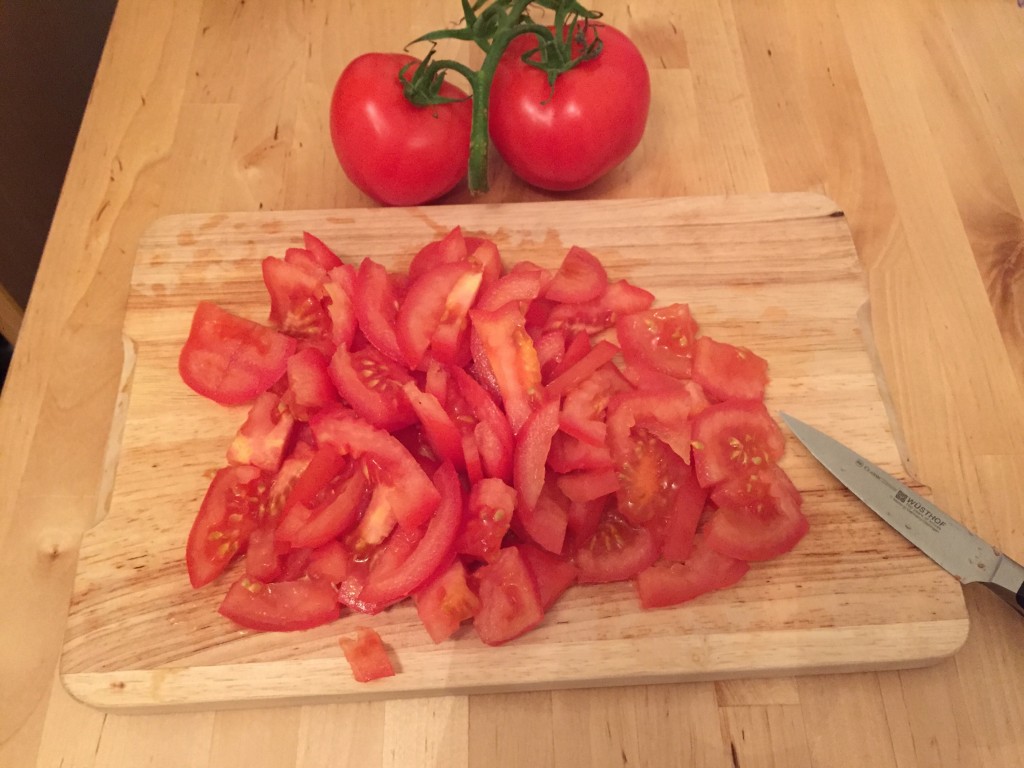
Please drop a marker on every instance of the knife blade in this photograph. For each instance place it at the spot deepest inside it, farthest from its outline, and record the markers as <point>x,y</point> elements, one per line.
<point>965,555</point>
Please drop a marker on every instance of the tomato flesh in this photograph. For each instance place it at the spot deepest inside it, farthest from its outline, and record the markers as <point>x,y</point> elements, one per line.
<point>510,602</point>
<point>366,655</point>
<point>281,606</point>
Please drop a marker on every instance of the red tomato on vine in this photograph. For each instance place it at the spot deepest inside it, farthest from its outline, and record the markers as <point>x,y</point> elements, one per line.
<point>565,136</point>
<point>396,152</point>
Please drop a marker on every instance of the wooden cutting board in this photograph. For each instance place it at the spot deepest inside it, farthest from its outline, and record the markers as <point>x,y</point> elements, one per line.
<point>776,273</point>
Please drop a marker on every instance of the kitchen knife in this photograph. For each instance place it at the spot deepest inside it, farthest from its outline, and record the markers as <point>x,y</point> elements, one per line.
<point>966,556</point>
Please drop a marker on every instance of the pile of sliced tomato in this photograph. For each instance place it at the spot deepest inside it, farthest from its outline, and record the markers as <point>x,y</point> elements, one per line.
<point>477,439</point>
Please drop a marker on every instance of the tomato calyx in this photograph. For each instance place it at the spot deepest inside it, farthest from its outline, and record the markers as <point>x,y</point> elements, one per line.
<point>570,41</point>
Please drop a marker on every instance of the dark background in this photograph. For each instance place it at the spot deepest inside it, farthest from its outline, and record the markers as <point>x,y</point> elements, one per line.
<point>49,51</point>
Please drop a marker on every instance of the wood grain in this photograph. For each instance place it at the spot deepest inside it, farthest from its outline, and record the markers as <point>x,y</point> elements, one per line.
<point>775,273</point>
<point>906,114</point>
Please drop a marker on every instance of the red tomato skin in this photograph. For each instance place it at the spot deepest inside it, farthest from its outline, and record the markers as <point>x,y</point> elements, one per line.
<point>366,655</point>
<point>391,149</point>
<point>230,359</point>
<point>216,537</point>
<point>432,551</point>
<point>445,602</point>
<point>282,606</point>
<point>664,583</point>
<point>510,602</point>
<point>580,278</point>
<point>568,137</point>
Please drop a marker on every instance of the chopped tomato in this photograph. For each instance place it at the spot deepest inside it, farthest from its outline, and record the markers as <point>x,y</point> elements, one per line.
<point>510,354</point>
<point>282,606</point>
<point>445,602</point>
<point>329,563</point>
<point>661,338</point>
<point>431,552</point>
<point>263,555</point>
<point>263,438</point>
<point>758,516</point>
<point>373,385</point>
<point>309,384</point>
<point>510,602</point>
<point>488,517</point>
<point>576,348</point>
<point>232,509</point>
<point>552,573</point>
<point>492,432</point>
<point>569,454</point>
<point>320,251</point>
<point>619,298</point>
<point>580,278</point>
<point>727,372</point>
<point>705,570</point>
<point>230,359</point>
<point>589,484</point>
<point>400,483</point>
<point>546,521</point>
<point>436,302</point>
<point>676,531</point>
<point>732,438</point>
<point>339,290</point>
<point>617,551</point>
<point>366,655</point>
<point>584,408</point>
<point>522,287</point>
<point>450,249</point>
<point>296,295</point>
<point>376,303</point>
<point>532,448</point>
<point>599,355</point>
<point>332,512</point>
<point>438,428</point>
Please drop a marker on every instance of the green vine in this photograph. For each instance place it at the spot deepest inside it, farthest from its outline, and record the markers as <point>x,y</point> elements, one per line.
<point>491,25</point>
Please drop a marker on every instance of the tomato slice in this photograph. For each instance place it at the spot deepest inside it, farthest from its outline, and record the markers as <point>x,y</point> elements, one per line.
<point>492,503</point>
<point>265,434</point>
<point>439,298</point>
<point>492,432</point>
<point>230,359</point>
<point>732,438</point>
<point>552,573</point>
<point>296,297</point>
<point>584,408</point>
<point>676,532</point>
<point>438,427</point>
<point>665,415</point>
<point>433,550</point>
<point>589,484</point>
<point>580,278</point>
<point>329,563</point>
<point>600,354</point>
<point>510,354</point>
<point>617,551</point>
<point>758,516</point>
<point>281,606</point>
<point>510,602</point>
<point>532,448</point>
<point>521,286</point>
<point>373,385</point>
<point>263,555</point>
<point>445,602</point>
<point>450,249</point>
<point>309,384</point>
<point>705,570</point>
<point>401,485</point>
<point>339,291</point>
<point>232,509</point>
<point>569,454</point>
<point>330,513</point>
<point>661,338</point>
<point>547,520</point>
<point>366,655</point>
<point>320,251</point>
<point>727,372</point>
<point>619,298</point>
<point>376,299</point>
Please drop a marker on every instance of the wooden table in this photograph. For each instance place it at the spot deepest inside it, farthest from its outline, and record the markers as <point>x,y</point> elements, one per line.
<point>907,114</point>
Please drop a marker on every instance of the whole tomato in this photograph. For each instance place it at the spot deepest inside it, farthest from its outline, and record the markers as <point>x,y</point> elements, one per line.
<point>396,152</point>
<point>567,137</point>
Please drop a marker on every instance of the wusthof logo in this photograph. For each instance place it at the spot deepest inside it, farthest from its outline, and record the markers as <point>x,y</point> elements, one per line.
<point>920,511</point>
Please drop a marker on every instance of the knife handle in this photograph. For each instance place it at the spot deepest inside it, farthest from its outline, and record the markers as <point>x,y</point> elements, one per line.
<point>1008,582</point>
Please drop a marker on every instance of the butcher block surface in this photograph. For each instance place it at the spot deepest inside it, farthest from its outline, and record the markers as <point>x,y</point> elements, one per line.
<point>776,273</point>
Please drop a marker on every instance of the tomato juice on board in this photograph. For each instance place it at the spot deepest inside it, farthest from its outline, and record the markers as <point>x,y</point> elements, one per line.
<point>476,439</point>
